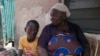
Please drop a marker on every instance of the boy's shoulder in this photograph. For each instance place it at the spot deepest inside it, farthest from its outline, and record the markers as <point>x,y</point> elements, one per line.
<point>36,39</point>
<point>23,37</point>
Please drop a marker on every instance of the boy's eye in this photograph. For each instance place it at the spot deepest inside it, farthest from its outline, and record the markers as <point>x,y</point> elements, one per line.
<point>30,29</point>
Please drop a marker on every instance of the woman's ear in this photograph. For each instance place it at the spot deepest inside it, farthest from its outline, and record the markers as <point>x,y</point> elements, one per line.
<point>64,14</point>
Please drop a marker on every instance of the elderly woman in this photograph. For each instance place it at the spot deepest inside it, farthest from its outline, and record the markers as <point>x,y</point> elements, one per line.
<point>61,37</point>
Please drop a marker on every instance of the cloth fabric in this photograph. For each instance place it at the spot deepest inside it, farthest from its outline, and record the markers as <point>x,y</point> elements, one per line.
<point>29,48</point>
<point>64,44</point>
<point>51,30</point>
<point>61,7</point>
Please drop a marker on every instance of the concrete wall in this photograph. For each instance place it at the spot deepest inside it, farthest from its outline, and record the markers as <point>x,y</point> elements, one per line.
<point>30,9</point>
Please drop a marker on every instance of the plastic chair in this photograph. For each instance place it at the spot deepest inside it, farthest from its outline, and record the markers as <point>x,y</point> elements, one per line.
<point>94,43</point>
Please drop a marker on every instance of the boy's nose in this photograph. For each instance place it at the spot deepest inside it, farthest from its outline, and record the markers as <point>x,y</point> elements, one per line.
<point>33,32</point>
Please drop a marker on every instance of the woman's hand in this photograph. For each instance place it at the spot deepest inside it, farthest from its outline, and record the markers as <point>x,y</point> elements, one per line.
<point>42,51</point>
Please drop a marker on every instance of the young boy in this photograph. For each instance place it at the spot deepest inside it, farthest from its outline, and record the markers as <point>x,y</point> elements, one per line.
<point>28,44</point>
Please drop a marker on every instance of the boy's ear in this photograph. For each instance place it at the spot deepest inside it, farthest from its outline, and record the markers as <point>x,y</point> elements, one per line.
<point>25,29</point>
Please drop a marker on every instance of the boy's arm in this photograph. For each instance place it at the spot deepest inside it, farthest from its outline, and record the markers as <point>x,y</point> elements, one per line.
<point>20,52</point>
<point>20,48</point>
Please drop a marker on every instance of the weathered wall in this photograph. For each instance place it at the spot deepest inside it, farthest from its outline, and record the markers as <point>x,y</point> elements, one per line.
<point>32,9</point>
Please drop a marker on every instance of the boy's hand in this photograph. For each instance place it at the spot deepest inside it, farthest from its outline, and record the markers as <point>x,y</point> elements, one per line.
<point>4,53</point>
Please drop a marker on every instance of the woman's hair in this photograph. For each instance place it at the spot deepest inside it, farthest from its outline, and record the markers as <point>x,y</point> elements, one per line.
<point>61,7</point>
<point>36,24</point>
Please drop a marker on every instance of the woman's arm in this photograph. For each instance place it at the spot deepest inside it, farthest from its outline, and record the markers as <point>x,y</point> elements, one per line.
<point>84,42</point>
<point>42,51</point>
<point>86,51</point>
<point>81,38</point>
<point>43,41</point>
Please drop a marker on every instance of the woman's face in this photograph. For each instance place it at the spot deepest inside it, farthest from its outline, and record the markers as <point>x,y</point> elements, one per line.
<point>57,17</point>
<point>31,31</point>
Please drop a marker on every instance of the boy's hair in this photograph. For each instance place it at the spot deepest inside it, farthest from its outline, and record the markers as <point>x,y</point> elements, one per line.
<point>34,22</point>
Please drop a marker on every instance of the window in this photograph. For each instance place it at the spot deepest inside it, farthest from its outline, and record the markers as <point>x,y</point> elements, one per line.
<point>86,13</point>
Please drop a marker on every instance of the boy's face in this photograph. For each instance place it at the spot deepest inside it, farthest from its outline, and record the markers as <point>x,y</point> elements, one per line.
<point>31,31</point>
